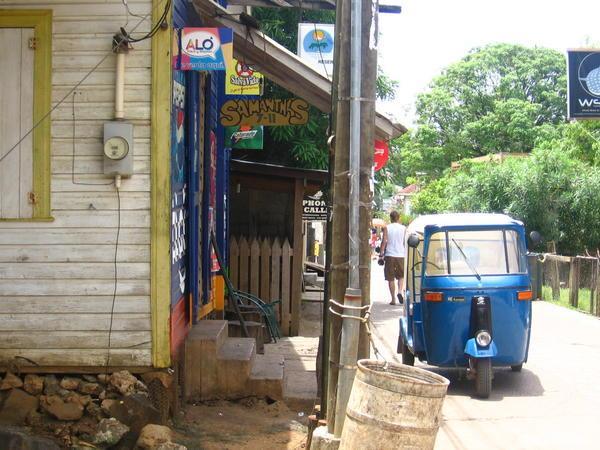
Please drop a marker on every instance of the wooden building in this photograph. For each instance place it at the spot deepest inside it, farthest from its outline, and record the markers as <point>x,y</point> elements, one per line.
<point>91,276</point>
<point>68,289</point>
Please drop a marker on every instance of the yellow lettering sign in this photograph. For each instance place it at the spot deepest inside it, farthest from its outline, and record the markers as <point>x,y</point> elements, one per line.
<point>266,112</point>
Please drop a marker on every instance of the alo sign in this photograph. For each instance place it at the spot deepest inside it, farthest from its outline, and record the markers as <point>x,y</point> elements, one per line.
<point>583,96</point>
<point>203,49</point>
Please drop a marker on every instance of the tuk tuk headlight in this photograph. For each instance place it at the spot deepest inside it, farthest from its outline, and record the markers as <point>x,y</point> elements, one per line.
<point>483,338</point>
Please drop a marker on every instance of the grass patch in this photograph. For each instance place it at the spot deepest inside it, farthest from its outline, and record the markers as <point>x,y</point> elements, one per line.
<point>563,300</point>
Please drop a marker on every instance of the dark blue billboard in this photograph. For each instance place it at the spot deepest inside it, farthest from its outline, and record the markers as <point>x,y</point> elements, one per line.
<point>583,96</point>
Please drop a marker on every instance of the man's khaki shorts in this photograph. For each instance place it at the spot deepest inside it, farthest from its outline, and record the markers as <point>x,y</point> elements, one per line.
<point>394,268</point>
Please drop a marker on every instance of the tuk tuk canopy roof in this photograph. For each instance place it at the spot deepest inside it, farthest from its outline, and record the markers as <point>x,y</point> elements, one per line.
<point>457,219</point>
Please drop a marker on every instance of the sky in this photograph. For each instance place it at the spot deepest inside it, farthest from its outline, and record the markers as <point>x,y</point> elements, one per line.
<point>428,35</point>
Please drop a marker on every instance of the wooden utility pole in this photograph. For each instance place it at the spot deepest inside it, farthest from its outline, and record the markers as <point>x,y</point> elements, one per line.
<point>339,229</point>
<point>339,225</point>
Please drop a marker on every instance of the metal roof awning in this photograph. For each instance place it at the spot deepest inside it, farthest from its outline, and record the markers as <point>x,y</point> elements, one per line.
<point>282,66</point>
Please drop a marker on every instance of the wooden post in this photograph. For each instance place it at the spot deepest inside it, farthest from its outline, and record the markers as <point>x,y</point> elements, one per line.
<point>275,293</point>
<point>297,262</point>
<point>234,262</point>
<point>597,286</point>
<point>555,275</point>
<point>265,269</point>
<point>367,143</point>
<point>574,282</point>
<point>339,225</point>
<point>286,252</point>
<point>593,282</point>
<point>254,267</point>
<point>244,254</point>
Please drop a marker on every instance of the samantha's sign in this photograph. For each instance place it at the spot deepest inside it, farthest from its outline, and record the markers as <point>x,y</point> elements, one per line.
<point>583,96</point>
<point>267,112</point>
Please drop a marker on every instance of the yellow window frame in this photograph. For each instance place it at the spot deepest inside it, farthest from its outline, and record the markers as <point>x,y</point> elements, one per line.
<point>41,22</point>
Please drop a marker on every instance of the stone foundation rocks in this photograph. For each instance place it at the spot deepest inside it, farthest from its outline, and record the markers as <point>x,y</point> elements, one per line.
<point>82,412</point>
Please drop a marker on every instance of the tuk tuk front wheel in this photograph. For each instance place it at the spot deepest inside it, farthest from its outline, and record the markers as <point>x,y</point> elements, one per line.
<point>483,379</point>
<point>408,358</point>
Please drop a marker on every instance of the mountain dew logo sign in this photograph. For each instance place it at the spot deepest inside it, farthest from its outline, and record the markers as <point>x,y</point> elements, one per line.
<point>244,137</point>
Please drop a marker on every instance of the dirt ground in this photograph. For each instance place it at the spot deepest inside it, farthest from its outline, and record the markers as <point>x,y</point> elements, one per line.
<point>249,423</point>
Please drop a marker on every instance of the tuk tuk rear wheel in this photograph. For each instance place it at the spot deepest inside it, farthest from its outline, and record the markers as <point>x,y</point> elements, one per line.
<point>516,367</point>
<point>483,379</point>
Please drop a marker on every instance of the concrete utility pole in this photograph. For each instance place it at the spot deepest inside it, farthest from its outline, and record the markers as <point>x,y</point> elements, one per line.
<point>354,143</point>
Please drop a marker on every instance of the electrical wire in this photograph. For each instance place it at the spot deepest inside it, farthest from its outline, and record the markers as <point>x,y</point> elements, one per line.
<point>129,13</point>
<point>123,39</point>
<point>321,54</point>
<point>114,299</point>
<point>154,29</point>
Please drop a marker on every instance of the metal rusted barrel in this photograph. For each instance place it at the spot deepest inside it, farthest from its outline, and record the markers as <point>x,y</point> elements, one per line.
<point>393,406</point>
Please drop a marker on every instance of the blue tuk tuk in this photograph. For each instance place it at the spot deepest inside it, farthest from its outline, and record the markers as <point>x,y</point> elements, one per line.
<point>467,294</point>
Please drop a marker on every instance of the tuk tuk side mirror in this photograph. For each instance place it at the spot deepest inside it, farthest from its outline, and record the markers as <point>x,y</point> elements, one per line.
<point>535,237</point>
<point>413,241</point>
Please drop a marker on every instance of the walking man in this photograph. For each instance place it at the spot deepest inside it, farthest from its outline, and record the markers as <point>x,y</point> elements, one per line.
<point>394,251</point>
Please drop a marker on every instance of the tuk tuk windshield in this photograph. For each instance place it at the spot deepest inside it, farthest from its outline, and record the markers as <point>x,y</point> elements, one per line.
<point>475,252</point>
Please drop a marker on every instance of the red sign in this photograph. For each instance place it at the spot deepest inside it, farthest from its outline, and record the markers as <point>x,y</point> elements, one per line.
<point>381,154</point>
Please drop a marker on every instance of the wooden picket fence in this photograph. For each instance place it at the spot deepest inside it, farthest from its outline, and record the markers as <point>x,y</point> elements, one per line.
<point>264,268</point>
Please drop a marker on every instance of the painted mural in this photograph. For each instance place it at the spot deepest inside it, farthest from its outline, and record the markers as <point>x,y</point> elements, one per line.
<point>179,214</point>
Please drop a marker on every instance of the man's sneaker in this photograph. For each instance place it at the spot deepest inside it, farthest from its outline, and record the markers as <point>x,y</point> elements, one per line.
<point>400,298</point>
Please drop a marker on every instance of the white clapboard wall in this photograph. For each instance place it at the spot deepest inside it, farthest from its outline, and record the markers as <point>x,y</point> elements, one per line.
<point>57,278</point>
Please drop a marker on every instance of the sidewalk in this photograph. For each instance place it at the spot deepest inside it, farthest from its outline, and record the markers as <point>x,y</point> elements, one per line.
<point>300,354</point>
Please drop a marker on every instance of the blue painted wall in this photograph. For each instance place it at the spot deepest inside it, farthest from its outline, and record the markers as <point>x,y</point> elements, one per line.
<point>199,262</point>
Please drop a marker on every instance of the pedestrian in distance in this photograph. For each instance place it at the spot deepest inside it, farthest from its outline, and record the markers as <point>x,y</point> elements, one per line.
<point>393,252</point>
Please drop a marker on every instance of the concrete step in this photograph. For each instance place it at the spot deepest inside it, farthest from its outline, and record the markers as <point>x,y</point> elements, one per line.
<point>256,330</point>
<point>266,376</point>
<point>237,349</point>
<point>235,360</point>
<point>200,358</point>
<point>211,331</point>
<point>300,380</point>
<point>310,277</point>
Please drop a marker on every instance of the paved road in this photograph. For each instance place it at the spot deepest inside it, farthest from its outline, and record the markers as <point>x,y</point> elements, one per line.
<point>554,403</point>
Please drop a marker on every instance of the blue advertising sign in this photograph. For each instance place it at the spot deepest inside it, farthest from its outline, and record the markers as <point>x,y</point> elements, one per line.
<point>203,49</point>
<point>583,95</point>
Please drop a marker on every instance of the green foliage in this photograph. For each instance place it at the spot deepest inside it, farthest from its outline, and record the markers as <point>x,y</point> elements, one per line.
<point>552,192</point>
<point>498,98</point>
<point>385,87</point>
<point>506,98</point>
<point>299,146</point>
<point>433,198</point>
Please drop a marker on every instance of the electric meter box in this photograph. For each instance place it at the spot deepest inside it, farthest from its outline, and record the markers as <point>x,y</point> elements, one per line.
<point>118,149</point>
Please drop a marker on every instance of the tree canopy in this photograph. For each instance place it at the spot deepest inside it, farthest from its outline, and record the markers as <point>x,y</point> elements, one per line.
<point>498,98</point>
<point>511,99</point>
